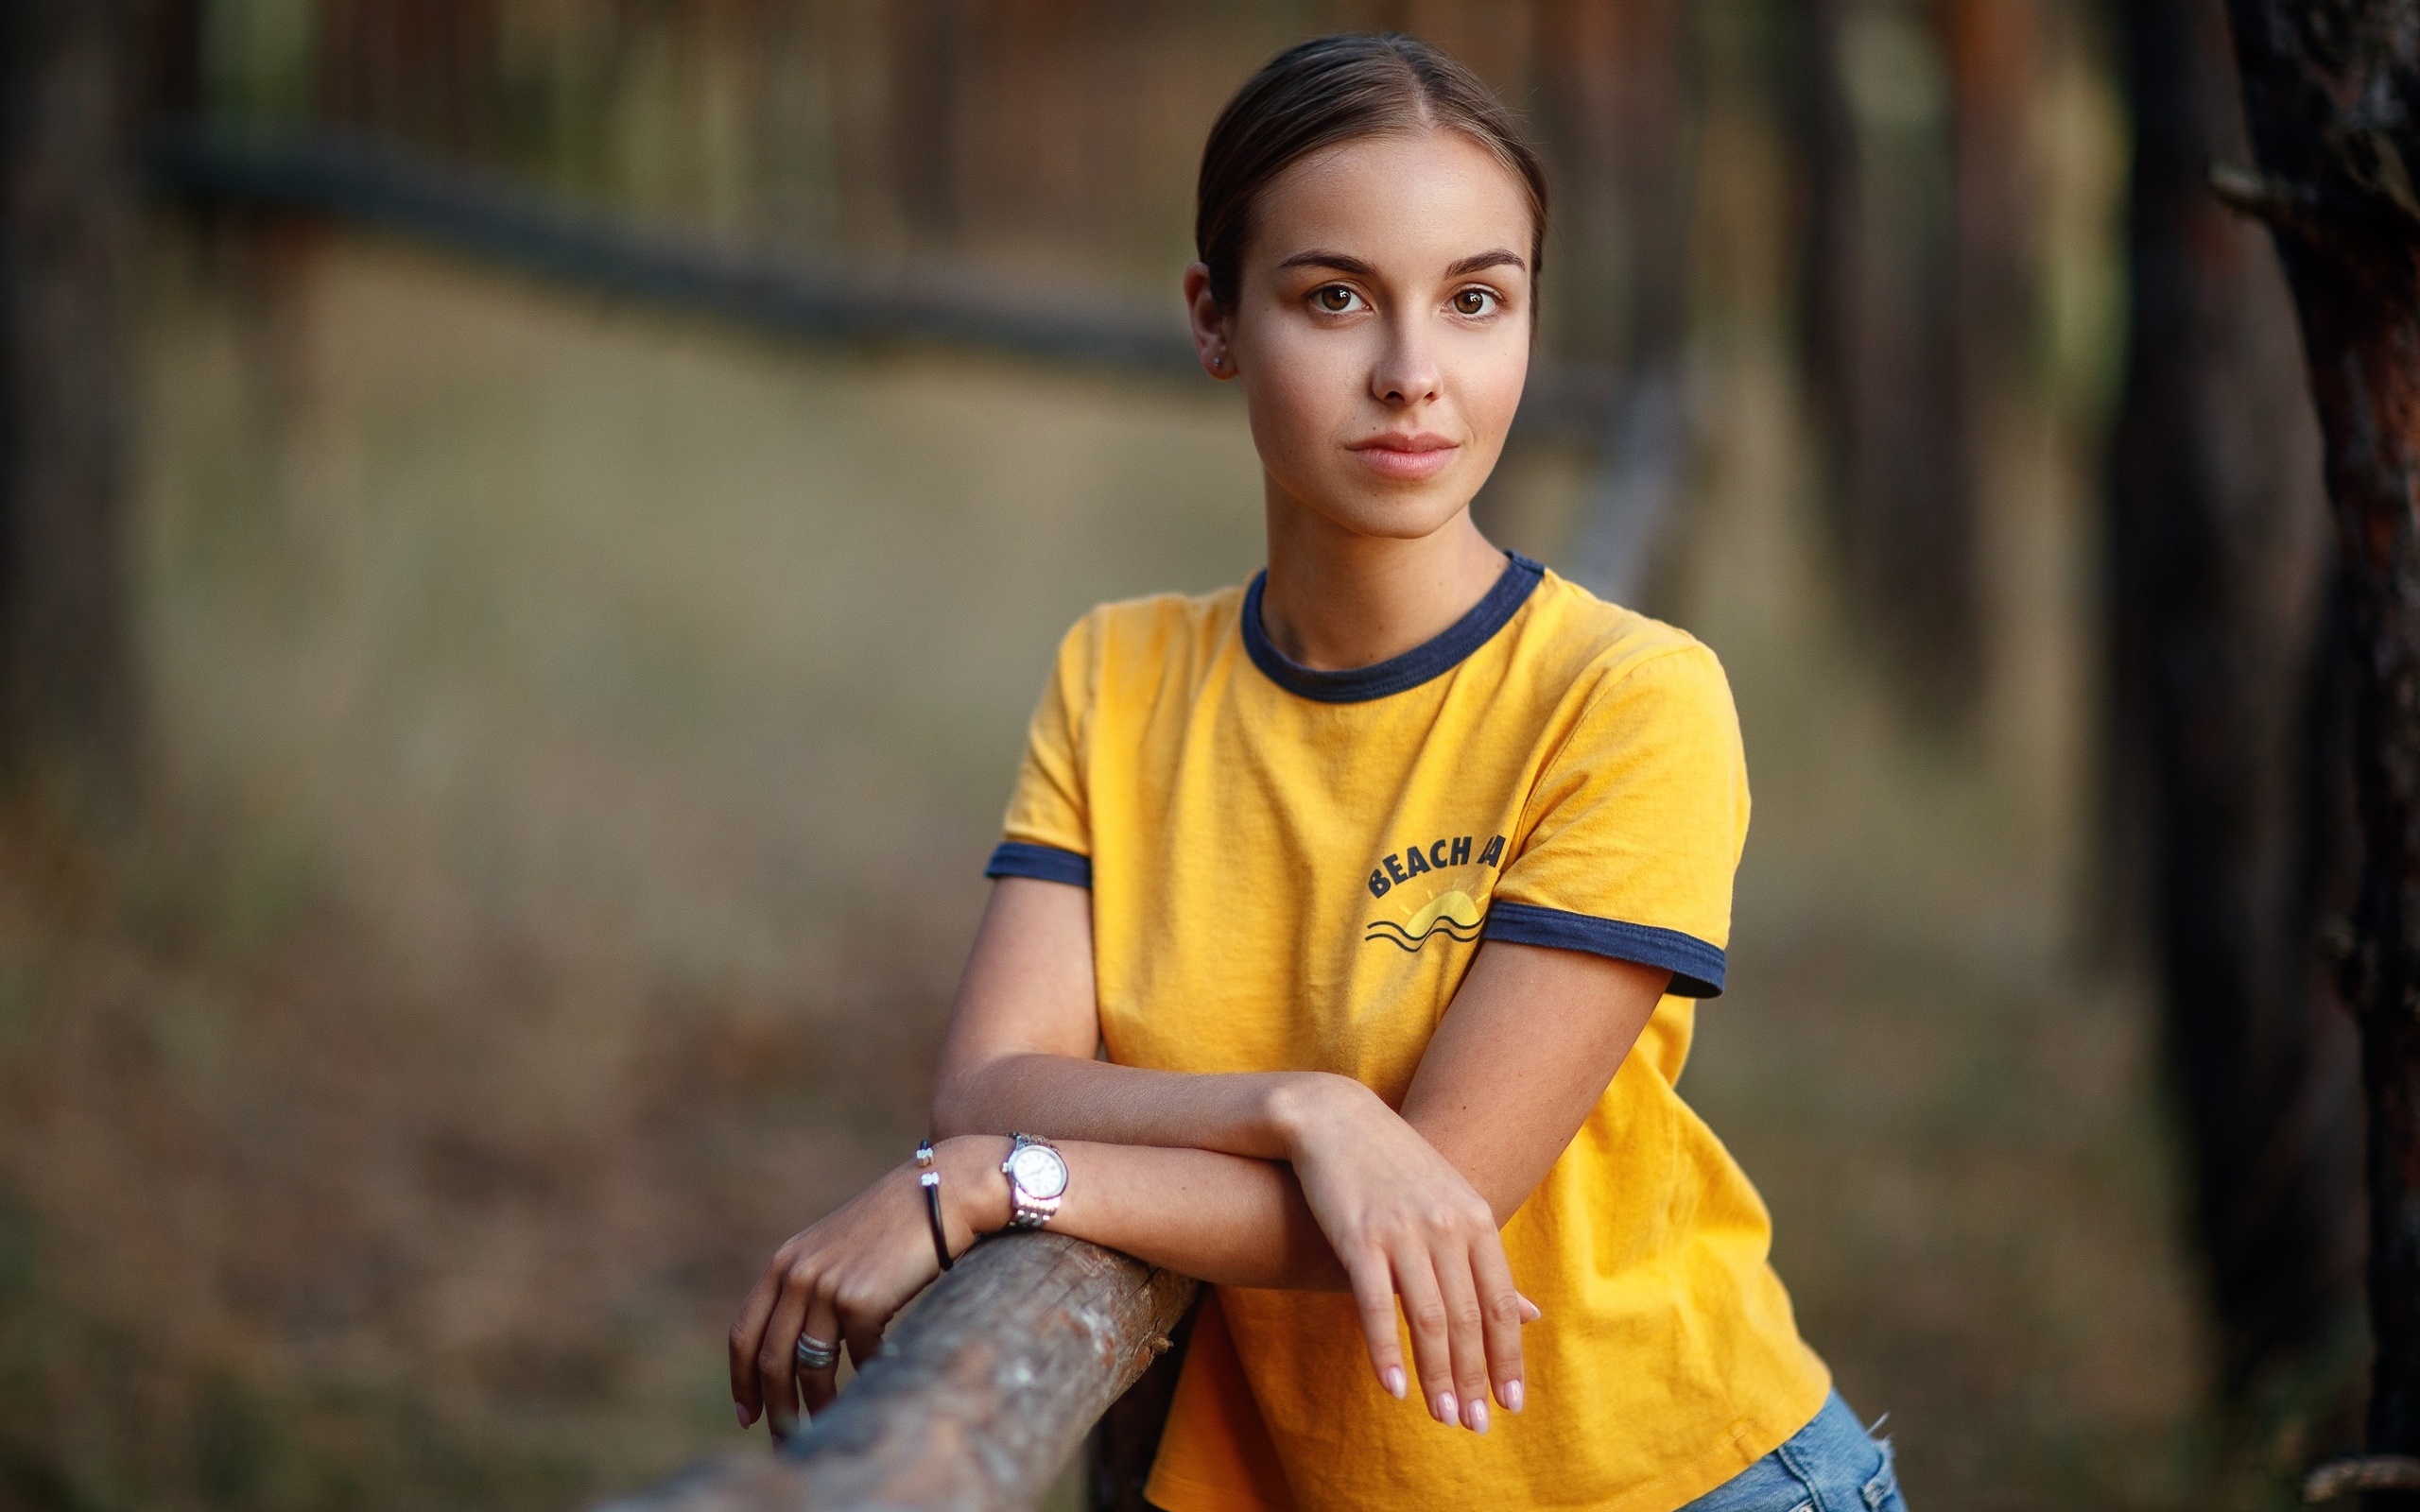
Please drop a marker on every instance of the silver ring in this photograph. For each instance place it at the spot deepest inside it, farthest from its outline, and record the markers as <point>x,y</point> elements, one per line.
<point>814,1354</point>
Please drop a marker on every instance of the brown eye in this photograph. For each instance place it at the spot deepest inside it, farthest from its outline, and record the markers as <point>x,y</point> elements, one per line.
<point>1473,302</point>
<point>1334,299</point>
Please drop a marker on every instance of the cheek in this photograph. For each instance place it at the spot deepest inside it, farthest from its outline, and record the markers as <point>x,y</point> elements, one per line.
<point>1490,373</point>
<point>1302,391</point>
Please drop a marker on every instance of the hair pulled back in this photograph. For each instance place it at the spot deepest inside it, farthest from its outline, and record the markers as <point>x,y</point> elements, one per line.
<point>1337,88</point>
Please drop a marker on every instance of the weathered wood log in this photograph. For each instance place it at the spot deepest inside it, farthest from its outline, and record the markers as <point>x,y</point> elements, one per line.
<point>2331,91</point>
<point>1126,1442</point>
<point>981,1394</point>
<point>2362,1473</point>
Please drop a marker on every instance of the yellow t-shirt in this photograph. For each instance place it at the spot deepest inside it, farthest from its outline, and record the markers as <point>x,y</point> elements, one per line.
<point>1293,869</point>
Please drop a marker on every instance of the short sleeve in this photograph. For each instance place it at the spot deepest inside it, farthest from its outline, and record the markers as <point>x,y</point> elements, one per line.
<point>1632,834</point>
<point>1048,830</point>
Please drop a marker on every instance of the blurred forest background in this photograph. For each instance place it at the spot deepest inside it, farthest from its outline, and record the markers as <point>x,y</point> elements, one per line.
<point>533,527</point>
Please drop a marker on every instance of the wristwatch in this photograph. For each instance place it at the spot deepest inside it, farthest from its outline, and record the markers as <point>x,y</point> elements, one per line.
<point>1037,1176</point>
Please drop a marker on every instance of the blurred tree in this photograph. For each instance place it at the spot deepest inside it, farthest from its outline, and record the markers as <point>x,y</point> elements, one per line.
<point>929,49</point>
<point>2226,727</point>
<point>1881,346</point>
<point>2331,100</point>
<point>1991,50</point>
<point>422,69</point>
<point>67,224</point>
<point>1617,104</point>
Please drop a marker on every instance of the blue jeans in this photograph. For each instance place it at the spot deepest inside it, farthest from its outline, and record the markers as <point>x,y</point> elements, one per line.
<point>1831,1464</point>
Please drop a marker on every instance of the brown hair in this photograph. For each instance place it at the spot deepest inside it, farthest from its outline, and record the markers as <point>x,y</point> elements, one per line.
<point>1332,90</point>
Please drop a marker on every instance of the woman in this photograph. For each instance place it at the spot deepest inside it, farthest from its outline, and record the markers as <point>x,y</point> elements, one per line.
<point>1349,926</point>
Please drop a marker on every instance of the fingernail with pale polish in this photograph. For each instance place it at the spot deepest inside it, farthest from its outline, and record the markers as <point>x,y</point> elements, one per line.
<point>742,1412</point>
<point>1475,1416</point>
<point>1395,1381</point>
<point>1511,1396</point>
<point>1447,1410</point>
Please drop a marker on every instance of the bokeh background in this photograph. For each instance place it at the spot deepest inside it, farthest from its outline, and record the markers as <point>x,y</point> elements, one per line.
<point>579,497</point>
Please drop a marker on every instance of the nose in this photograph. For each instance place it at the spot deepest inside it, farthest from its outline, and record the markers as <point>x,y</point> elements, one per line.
<point>1405,372</point>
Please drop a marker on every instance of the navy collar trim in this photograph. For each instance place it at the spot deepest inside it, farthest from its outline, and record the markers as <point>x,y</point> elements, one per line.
<point>1431,658</point>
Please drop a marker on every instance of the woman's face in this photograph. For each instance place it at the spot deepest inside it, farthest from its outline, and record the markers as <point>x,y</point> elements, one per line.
<point>1381,328</point>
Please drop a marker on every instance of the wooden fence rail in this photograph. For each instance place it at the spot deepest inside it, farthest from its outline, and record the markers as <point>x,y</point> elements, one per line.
<point>981,1395</point>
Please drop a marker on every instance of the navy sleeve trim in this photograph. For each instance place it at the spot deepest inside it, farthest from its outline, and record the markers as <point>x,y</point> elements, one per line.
<point>1696,966</point>
<point>1045,863</point>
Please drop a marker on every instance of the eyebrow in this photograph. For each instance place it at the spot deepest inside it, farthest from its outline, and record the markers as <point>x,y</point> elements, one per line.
<point>1500,257</point>
<point>1343,263</point>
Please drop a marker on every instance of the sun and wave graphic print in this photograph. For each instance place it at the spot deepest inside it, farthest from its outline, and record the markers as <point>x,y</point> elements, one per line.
<point>1452,913</point>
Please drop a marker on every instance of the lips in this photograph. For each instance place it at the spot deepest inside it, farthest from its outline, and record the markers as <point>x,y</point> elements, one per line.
<point>1412,455</point>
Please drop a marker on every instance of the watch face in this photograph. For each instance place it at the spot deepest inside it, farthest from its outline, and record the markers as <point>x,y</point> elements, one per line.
<point>1040,1172</point>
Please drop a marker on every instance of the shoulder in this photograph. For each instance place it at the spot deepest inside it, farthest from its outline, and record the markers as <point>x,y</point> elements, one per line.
<point>1159,620</point>
<point>1602,655</point>
<point>1152,629</point>
<point>1141,642</point>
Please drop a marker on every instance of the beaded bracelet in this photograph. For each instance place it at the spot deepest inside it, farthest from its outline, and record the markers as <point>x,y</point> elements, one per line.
<point>930,1176</point>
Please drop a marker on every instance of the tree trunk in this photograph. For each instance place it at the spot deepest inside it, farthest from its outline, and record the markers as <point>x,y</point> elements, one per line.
<point>1883,355</point>
<point>67,224</point>
<point>1617,95</point>
<point>2226,717</point>
<point>1990,49</point>
<point>2331,91</point>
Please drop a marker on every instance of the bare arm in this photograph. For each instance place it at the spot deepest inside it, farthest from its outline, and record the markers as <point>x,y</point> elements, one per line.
<point>1528,1048</point>
<point>1299,1180</point>
<point>1019,1054</point>
<point>1183,1171</point>
<point>1408,1203</point>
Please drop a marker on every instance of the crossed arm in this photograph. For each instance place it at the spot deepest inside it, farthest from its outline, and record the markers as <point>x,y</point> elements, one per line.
<point>1299,1180</point>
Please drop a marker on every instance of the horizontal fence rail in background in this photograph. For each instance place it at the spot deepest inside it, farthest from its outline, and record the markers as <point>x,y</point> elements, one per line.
<point>980,1397</point>
<point>494,217</point>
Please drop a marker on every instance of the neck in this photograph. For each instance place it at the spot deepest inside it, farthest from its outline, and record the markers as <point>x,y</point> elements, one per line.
<point>1336,600</point>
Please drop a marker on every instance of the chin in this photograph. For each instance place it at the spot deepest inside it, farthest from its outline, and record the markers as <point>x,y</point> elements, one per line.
<point>1352,502</point>
<point>1400,517</point>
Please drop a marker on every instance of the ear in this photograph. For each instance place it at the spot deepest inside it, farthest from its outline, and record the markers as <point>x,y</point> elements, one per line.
<point>1212,326</point>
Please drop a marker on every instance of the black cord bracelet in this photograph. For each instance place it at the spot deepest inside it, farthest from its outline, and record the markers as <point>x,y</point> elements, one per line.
<point>929,1177</point>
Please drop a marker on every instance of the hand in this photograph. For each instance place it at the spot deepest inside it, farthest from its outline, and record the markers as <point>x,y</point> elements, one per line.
<point>1405,1223</point>
<point>843,1279</point>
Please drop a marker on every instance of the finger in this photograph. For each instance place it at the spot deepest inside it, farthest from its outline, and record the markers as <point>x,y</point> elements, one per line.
<point>747,1333</point>
<point>1374,1297</point>
<point>863,1335</point>
<point>1530,1312</point>
<point>864,1322</point>
<point>776,1363</point>
<point>818,1385</point>
<point>1501,1308</point>
<point>1465,1331</point>
<point>1415,1276</point>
